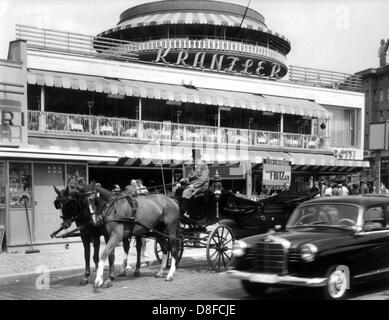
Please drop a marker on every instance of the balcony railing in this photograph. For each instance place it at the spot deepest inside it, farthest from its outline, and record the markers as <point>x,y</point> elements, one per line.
<point>113,128</point>
<point>324,78</point>
<point>76,43</point>
<point>100,47</point>
<point>212,44</point>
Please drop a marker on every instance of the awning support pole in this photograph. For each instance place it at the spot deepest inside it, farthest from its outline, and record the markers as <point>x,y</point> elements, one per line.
<point>282,130</point>
<point>140,125</point>
<point>42,118</point>
<point>218,126</point>
<point>249,179</point>
<point>378,171</point>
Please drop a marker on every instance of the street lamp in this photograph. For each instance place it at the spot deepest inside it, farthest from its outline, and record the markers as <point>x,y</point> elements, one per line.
<point>90,106</point>
<point>251,119</point>
<point>217,190</point>
<point>179,112</point>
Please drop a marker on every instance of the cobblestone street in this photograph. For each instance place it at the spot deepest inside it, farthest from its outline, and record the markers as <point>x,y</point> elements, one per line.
<point>193,281</point>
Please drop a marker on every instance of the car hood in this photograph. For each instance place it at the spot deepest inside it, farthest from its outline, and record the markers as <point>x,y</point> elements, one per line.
<point>321,237</point>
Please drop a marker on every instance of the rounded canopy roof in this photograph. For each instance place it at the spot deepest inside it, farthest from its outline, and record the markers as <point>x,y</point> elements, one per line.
<point>193,6</point>
<point>192,12</point>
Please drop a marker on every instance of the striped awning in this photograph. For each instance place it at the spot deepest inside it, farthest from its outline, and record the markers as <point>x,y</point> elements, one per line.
<point>192,18</point>
<point>295,106</point>
<point>129,154</point>
<point>178,93</point>
<point>304,159</point>
<point>259,156</point>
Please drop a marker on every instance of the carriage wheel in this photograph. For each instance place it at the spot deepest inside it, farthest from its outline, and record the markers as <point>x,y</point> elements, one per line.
<point>219,248</point>
<point>158,253</point>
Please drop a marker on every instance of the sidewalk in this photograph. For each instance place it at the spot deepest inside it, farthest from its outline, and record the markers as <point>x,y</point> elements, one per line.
<point>57,258</point>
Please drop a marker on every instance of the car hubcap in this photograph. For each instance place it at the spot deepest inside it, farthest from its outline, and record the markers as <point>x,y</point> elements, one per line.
<point>337,284</point>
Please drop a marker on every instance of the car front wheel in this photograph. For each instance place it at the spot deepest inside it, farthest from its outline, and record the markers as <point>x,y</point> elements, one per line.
<point>254,289</point>
<point>338,282</point>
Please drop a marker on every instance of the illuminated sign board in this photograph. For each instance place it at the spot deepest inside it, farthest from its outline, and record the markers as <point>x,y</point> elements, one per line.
<point>276,173</point>
<point>220,62</point>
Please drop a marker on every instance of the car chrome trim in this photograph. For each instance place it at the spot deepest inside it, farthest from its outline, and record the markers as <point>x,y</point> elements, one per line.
<point>277,279</point>
<point>374,231</point>
<point>372,273</point>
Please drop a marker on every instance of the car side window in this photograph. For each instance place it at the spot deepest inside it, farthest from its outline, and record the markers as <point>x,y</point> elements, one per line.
<point>374,219</point>
<point>386,215</point>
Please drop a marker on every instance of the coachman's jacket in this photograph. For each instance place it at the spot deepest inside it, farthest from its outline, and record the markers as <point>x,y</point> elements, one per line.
<point>199,179</point>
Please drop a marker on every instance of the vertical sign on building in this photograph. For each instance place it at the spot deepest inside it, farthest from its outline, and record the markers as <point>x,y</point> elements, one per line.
<point>276,173</point>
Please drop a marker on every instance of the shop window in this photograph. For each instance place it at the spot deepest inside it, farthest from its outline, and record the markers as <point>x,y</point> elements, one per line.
<point>75,175</point>
<point>20,184</point>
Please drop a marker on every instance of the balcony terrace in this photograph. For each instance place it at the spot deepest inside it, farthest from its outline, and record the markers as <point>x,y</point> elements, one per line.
<point>73,125</point>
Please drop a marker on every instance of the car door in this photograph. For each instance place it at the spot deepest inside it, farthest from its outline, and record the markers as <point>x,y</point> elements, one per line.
<point>373,242</point>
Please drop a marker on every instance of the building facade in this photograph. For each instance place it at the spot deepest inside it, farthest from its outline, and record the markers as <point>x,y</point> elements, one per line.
<point>376,87</point>
<point>136,100</point>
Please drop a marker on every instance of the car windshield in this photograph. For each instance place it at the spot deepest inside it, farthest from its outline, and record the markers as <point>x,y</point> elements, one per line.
<point>330,215</point>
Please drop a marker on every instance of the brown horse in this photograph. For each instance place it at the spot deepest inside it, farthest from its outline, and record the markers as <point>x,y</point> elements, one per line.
<point>69,204</point>
<point>126,216</point>
<point>72,207</point>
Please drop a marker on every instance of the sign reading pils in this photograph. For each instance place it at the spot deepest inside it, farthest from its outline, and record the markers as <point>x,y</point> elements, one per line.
<point>220,62</point>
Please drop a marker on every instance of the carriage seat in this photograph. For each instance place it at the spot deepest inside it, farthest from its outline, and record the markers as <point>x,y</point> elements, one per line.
<point>237,210</point>
<point>202,195</point>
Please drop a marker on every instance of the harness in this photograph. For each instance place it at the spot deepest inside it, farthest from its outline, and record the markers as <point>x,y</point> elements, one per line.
<point>132,221</point>
<point>132,202</point>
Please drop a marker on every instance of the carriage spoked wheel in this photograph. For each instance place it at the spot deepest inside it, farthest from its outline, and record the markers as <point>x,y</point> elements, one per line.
<point>158,253</point>
<point>219,248</point>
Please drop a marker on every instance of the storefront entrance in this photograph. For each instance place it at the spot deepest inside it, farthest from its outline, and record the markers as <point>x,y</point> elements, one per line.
<point>46,217</point>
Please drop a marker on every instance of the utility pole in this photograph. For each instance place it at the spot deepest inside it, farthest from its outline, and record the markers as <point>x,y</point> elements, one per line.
<point>377,167</point>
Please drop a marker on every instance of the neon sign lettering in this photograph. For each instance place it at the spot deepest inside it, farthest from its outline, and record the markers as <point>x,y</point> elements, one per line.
<point>220,62</point>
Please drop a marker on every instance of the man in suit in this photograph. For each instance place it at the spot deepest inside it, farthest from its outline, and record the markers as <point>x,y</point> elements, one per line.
<point>198,181</point>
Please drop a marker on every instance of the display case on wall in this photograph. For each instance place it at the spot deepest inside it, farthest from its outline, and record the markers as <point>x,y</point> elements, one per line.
<point>76,174</point>
<point>20,184</point>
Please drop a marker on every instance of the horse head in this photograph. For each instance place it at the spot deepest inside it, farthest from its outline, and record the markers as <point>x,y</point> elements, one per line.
<point>92,203</point>
<point>67,202</point>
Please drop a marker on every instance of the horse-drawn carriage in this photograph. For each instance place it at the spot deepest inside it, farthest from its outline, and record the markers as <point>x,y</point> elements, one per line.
<point>215,219</point>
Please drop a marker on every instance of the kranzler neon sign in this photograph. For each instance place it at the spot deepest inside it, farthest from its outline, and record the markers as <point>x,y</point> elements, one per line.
<point>220,62</point>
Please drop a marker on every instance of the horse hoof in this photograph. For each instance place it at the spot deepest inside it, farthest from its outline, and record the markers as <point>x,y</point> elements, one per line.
<point>136,273</point>
<point>122,274</point>
<point>169,279</point>
<point>107,284</point>
<point>84,282</point>
<point>159,275</point>
<point>98,283</point>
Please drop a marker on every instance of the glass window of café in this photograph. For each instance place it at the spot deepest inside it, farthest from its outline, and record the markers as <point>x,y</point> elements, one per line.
<point>20,184</point>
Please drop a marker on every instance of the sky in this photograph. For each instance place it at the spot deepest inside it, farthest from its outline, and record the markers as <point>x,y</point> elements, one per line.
<point>331,35</point>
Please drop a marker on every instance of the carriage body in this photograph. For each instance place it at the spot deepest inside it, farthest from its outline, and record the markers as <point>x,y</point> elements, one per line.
<point>246,217</point>
<point>215,220</point>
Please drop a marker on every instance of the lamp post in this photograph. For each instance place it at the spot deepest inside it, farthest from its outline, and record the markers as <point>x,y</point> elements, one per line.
<point>179,112</point>
<point>217,190</point>
<point>90,106</point>
<point>251,119</point>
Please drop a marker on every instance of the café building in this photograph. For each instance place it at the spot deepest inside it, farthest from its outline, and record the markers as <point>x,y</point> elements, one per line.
<point>170,77</point>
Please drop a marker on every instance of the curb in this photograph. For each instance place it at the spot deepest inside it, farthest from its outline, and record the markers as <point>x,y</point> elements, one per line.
<point>73,271</point>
